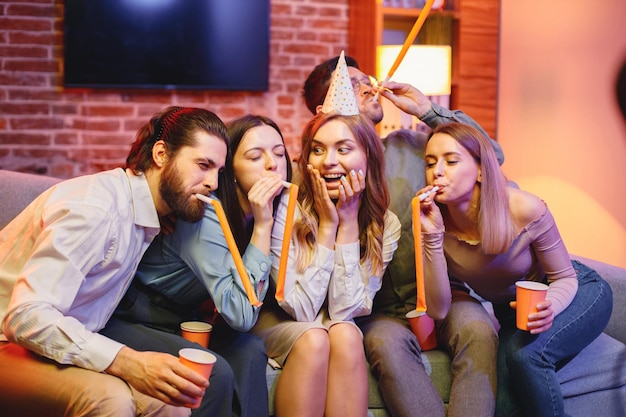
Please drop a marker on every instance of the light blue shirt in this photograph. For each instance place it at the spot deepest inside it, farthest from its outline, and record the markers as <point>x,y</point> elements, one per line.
<point>194,262</point>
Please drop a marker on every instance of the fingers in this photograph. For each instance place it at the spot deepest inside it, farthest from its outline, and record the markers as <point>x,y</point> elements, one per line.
<point>541,320</point>
<point>184,386</point>
<point>352,186</point>
<point>261,195</point>
<point>173,383</point>
<point>183,394</point>
<point>324,205</point>
<point>539,325</point>
<point>319,185</point>
<point>265,189</point>
<point>427,194</point>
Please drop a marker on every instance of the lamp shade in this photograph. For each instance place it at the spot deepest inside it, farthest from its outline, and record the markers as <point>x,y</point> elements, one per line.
<point>426,67</point>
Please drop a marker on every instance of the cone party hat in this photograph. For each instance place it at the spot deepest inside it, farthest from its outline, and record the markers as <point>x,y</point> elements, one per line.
<point>340,96</point>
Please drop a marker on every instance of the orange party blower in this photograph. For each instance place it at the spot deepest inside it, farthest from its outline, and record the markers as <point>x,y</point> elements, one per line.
<point>284,250</point>
<point>408,42</point>
<point>419,261</point>
<point>422,324</point>
<point>232,246</point>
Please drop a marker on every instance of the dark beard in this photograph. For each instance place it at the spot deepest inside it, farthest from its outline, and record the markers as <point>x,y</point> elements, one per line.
<point>171,190</point>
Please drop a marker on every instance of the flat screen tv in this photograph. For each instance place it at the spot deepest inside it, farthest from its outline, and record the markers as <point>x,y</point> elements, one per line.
<point>167,44</point>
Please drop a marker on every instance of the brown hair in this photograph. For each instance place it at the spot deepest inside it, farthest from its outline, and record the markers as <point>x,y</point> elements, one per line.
<point>227,192</point>
<point>174,126</point>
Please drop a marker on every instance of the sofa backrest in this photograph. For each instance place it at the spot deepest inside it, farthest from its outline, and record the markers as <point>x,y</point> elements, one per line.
<point>17,190</point>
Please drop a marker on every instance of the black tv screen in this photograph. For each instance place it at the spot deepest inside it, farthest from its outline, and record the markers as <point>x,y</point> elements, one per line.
<point>167,44</point>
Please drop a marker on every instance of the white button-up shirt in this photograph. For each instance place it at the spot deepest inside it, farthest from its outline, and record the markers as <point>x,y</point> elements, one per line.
<point>67,260</point>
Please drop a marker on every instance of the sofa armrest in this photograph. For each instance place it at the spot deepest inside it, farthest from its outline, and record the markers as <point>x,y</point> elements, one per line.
<point>18,190</point>
<point>616,277</point>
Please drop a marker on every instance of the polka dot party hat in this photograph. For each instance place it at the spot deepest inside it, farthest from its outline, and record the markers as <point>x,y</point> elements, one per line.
<point>340,96</point>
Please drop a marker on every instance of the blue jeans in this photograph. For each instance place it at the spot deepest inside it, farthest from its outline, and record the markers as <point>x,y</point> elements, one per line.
<point>527,364</point>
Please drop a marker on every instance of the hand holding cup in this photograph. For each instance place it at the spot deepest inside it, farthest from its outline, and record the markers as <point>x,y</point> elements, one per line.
<point>199,361</point>
<point>533,311</point>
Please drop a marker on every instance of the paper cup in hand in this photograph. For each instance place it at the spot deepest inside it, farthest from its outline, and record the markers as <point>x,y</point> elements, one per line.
<point>197,331</point>
<point>198,360</point>
<point>528,294</point>
<point>423,327</point>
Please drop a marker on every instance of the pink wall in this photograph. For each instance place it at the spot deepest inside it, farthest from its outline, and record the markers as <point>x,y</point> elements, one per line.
<point>558,121</point>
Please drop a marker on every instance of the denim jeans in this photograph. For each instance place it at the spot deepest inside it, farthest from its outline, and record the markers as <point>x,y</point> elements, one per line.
<point>527,364</point>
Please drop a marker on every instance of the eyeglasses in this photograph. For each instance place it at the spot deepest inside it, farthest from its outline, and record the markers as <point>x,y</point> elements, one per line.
<point>368,83</point>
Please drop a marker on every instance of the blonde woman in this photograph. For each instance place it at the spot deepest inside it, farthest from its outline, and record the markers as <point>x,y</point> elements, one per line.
<point>481,231</point>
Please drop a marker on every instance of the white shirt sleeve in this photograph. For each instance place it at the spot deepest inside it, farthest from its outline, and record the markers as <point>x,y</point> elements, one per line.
<point>353,285</point>
<point>304,293</point>
<point>338,274</point>
<point>44,313</point>
<point>71,256</point>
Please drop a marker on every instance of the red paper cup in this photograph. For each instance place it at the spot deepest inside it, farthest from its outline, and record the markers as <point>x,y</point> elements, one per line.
<point>197,331</point>
<point>423,327</point>
<point>200,361</point>
<point>528,294</point>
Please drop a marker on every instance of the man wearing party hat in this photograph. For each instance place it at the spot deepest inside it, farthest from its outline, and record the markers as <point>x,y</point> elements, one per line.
<point>343,239</point>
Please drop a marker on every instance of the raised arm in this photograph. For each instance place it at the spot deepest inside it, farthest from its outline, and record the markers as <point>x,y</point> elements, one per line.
<point>204,249</point>
<point>412,101</point>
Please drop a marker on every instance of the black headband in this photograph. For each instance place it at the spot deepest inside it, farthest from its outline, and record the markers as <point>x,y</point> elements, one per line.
<point>166,120</point>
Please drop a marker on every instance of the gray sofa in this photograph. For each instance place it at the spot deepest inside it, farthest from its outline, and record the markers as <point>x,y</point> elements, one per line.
<point>18,189</point>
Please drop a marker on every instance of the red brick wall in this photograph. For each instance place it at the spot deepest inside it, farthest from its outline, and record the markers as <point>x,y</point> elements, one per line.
<point>47,129</point>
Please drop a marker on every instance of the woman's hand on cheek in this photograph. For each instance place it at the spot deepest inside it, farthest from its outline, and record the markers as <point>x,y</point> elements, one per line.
<point>350,192</point>
<point>324,206</point>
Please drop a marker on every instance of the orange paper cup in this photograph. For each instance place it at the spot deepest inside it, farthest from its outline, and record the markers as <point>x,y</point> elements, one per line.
<point>528,294</point>
<point>198,360</point>
<point>197,331</point>
<point>423,327</point>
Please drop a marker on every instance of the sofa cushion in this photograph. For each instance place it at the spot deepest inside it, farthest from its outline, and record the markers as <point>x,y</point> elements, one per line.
<point>598,367</point>
<point>594,382</point>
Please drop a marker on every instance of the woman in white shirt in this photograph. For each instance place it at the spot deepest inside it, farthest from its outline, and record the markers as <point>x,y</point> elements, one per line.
<point>343,238</point>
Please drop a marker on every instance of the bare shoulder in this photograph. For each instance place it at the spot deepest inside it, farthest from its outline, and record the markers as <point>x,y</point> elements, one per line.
<point>525,207</point>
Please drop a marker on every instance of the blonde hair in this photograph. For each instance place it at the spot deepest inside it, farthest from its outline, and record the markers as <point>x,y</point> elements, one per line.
<point>494,222</point>
<point>374,200</point>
